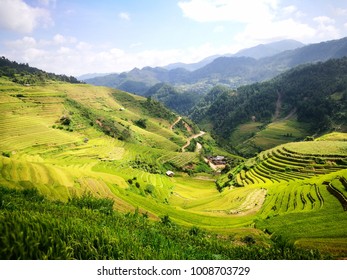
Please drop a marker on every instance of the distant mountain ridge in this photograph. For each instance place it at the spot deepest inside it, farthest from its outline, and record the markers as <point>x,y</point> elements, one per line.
<point>257,52</point>
<point>192,66</point>
<point>265,50</point>
<point>92,75</point>
<point>231,71</point>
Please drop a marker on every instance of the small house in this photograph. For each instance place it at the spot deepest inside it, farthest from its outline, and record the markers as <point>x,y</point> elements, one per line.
<point>217,160</point>
<point>170,173</point>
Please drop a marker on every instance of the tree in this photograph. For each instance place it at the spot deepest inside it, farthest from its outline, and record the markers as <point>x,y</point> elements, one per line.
<point>141,123</point>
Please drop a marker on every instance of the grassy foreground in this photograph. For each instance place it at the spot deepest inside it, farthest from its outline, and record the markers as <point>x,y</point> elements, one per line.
<point>87,228</point>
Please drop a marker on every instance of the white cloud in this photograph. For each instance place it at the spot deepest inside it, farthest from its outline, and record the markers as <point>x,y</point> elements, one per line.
<point>219,29</point>
<point>345,25</point>
<point>64,51</point>
<point>277,30</point>
<point>124,16</point>
<point>60,56</point>
<point>83,46</point>
<point>224,10</point>
<point>16,15</point>
<point>262,21</point>
<point>291,11</point>
<point>341,12</point>
<point>326,28</point>
<point>25,42</point>
<point>60,39</point>
<point>324,20</point>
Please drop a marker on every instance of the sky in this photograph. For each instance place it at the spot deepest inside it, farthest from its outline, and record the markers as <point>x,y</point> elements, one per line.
<point>76,37</point>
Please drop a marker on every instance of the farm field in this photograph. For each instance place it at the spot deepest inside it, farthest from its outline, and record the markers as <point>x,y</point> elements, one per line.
<point>262,137</point>
<point>70,140</point>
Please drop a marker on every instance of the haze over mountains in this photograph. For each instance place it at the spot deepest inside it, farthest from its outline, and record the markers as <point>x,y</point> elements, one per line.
<point>247,66</point>
<point>259,51</point>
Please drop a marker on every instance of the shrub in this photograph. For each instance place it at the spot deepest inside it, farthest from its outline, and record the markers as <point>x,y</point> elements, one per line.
<point>32,194</point>
<point>65,120</point>
<point>6,154</point>
<point>141,123</point>
<point>249,240</point>
<point>309,138</point>
<point>165,220</point>
<point>149,189</point>
<point>87,200</point>
<point>194,230</point>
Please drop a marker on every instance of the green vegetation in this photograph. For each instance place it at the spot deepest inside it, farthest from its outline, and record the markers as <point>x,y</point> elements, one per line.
<point>81,179</point>
<point>304,101</point>
<point>179,101</point>
<point>87,228</point>
<point>24,74</point>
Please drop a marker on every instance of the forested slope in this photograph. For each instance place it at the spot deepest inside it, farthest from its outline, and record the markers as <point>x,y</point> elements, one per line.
<point>314,95</point>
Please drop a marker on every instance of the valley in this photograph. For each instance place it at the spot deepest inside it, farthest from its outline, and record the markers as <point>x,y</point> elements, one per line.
<point>79,143</point>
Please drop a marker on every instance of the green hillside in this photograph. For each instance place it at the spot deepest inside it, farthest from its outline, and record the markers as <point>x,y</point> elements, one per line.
<point>107,150</point>
<point>309,100</point>
<point>306,191</point>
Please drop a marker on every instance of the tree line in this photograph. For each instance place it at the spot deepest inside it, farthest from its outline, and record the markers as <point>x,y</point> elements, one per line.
<point>23,74</point>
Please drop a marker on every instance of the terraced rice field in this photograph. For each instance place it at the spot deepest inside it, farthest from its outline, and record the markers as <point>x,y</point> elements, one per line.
<point>295,161</point>
<point>289,183</point>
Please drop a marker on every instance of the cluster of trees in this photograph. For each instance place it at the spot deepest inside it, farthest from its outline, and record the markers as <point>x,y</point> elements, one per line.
<point>156,109</point>
<point>226,108</point>
<point>22,73</point>
<point>318,92</point>
<point>181,102</point>
<point>145,165</point>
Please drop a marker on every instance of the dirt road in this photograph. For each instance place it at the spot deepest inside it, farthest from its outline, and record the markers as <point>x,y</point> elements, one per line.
<point>201,133</point>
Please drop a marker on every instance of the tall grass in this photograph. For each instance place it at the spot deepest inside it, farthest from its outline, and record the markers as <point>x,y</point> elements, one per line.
<point>34,228</point>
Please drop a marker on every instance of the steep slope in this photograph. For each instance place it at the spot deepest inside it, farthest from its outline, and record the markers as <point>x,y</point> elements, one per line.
<point>304,101</point>
<point>306,184</point>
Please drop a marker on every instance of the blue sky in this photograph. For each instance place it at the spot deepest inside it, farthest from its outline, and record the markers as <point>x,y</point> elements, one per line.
<point>75,37</point>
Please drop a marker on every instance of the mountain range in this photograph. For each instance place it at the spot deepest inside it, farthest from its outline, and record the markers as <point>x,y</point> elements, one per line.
<point>248,66</point>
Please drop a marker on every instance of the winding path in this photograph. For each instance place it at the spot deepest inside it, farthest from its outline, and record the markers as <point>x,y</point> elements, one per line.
<point>175,122</point>
<point>201,133</point>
